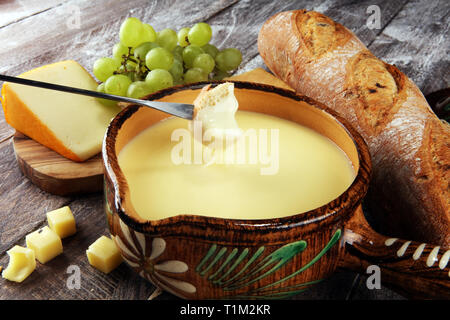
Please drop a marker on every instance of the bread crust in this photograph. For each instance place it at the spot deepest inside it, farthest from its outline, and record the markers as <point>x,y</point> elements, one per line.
<point>409,145</point>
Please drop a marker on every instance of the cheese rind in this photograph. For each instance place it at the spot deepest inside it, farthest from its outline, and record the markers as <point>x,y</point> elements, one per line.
<point>104,255</point>
<point>62,222</point>
<point>72,125</point>
<point>45,243</point>
<point>21,264</point>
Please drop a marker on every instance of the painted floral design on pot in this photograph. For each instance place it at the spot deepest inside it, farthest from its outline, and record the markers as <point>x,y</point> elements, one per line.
<point>134,248</point>
<point>235,273</point>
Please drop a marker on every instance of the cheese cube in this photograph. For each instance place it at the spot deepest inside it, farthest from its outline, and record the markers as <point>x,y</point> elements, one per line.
<point>104,255</point>
<point>45,243</point>
<point>21,264</point>
<point>62,222</point>
<point>72,125</point>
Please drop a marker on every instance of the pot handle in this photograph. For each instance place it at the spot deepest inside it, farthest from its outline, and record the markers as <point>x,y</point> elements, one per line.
<point>416,270</point>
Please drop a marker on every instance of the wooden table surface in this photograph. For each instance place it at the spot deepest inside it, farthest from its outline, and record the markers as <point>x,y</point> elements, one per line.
<point>413,35</point>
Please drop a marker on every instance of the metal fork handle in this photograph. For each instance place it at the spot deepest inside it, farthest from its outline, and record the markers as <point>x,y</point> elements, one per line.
<point>181,110</point>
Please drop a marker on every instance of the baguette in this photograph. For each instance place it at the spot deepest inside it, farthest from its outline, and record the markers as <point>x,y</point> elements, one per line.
<point>410,147</point>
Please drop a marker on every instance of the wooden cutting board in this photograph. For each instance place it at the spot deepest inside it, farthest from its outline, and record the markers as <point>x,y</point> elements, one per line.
<point>55,174</point>
<point>60,176</point>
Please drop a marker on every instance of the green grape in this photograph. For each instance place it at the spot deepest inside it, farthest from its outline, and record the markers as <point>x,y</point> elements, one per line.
<point>178,53</point>
<point>106,102</point>
<point>211,50</point>
<point>141,51</point>
<point>177,69</point>
<point>117,84</point>
<point>131,32</point>
<point>189,54</point>
<point>228,59</point>
<point>159,79</point>
<point>195,75</point>
<point>220,75</point>
<point>149,34</point>
<point>167,38</point>
<point>104,68</point>
<point>205,62</point>
<point>200,34</point>
<point>159,58</point>
<point>138,90</point>
<point>183,37</point>
<point>119,50</point>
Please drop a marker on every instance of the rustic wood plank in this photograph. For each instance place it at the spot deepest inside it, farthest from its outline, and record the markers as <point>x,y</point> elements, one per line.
<point>231,25</point>
<point>353,15</point>
<point>416,41</point>
<point>15,10</point>
<point>23,205</point>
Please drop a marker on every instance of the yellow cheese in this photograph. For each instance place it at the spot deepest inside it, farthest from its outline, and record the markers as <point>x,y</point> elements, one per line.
<point>45,243</point>
<point>62,222</point>
<point>70,124</point>
<point>21,264</point>
<point>104,255</point>
<point>309,170</point>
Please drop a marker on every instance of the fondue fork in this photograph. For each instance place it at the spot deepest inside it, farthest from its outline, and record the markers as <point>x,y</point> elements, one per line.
<point>181,110</point>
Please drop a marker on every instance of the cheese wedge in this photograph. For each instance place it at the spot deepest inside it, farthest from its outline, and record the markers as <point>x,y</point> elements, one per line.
<point>70,124</point>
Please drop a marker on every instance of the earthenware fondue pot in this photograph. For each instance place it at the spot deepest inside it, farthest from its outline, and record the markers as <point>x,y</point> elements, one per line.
<point>200,257</point>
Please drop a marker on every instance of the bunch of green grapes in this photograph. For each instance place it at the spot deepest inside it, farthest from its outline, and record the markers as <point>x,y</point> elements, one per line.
<point>145,61</point>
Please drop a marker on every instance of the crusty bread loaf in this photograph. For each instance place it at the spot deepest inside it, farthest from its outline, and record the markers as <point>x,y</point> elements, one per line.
<point>410,146</point>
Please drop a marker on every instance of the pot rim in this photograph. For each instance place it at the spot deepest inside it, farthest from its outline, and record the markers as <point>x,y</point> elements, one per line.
<point>327,213</point>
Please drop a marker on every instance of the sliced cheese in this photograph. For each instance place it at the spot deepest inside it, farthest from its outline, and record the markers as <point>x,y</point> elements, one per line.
<point>70,124</point>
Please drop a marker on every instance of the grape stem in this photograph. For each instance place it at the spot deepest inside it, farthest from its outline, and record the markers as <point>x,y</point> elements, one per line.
<point>140,65</point>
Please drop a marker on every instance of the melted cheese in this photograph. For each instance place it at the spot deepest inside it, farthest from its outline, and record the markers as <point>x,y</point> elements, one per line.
<point>312,171</point>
